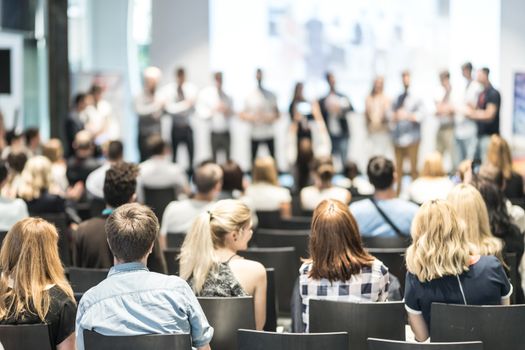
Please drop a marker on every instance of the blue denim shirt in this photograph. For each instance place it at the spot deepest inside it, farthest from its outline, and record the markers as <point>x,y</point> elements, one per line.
<point>134,301</point>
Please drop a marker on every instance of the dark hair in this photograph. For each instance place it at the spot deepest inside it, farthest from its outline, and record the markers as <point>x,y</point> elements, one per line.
<point>120,183</point>
<point>17,161</point>
<point>179,71</point>
<point>326,172</point>
<point>335,243</point>
<point>3,171</point>
<point>115,150</point>
<point>486,70</point>
<point>11,136</point>
<point>304,163</point>
<point>351,170</point>
<point>95,89</point>
<point>232,176</point>
<point>78,98</point>
<point>467,66</point>
<point>131,230</point>
<point>155,145</point>
<point>30,134</point>
<point>207,176</point>
<point>298,87</point>
<point>380,171</point>
<point>327,75</point>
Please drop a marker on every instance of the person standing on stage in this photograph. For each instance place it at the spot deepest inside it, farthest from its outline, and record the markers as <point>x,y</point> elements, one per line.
<point>445,112</point>
<point>180,97</point>
<point>377,107</point>
<point>406,129</point>
<point>334,108</point>
<point>215,105</point>
<point>260,109</point>
<point>149,106</point>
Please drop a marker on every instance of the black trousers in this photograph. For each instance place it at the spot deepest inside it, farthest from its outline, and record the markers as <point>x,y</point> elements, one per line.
<point>268,142</point>
<point>182,134</point>
<point>148,126</point>
<point>220,141</point>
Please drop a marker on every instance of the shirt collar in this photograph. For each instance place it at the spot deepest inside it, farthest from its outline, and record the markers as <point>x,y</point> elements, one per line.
<point>127,267</point>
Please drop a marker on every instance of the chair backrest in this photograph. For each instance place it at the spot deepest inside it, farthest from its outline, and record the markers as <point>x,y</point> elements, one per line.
<point>2,237</point>
<point>159,198</point>
<point>498,327</point>
<point>64,246</point>
<point>394,259</point>
<point>385,242</point>
<point>171,256</point>
<point>257,340</point>
<point>175,239</point>
<point>82,279</point>
<point>271,301</point>
<point>25,337</point>
<point>286,265</point>
<point>511,260</point>
<point>226,316</point>
<point>284,238</point>
<point>384,344</point>
<point>268,219</point>
<point>296,223</point>
<point>360,320</point>
<point>96,341</point>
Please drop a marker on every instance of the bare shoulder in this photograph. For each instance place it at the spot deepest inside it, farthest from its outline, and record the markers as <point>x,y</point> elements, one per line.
<point>252,266</point>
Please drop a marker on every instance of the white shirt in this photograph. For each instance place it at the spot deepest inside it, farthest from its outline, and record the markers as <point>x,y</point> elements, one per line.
<point>208,102</point>
<point>95,181</point>
<point>311,196</point>
<point>425,189</point>
<point>58,172</point>
<point>440,97</point>
<point>465,127</point>
<point>267,197</point>
<point>261,103</point>
<point>179,215</point>
<point>13,210</point>
<point>180,110</point>
<point>147,105</point>
<point>159,172</point>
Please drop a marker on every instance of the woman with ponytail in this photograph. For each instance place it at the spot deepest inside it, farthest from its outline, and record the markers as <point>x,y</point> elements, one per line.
<point>209,260</point>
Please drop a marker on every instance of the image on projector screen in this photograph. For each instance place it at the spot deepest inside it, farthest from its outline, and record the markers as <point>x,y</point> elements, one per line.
<point>5,71</point>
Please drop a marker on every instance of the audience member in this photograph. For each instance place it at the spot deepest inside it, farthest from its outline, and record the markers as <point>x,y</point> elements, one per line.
<point>32,141</point>
<point>113,152</point>
<point>16,162</point>
<point>12,210</point>
<point>145,302</point>
<point>303,165</point>
<point>339,267</point>
<point>15,144</point>
<point>265,192</point>
<point>54,151</point>
<point>179,215</point>
<point>323,189</point>
<point>209,260</point>
<point>433,182</point>
<point>33,286</point>
<point>233,183</point>
<point>83,162</point>
<point>384,214</point>
<point>377,108</point>
<point>357,184</point>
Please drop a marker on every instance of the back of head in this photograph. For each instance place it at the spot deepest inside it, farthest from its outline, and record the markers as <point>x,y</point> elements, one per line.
<point>83,143</point>
<point>499,155</point>
<point>17,161</point>
<point>380,171</point>
<point>208,233</point>
<point>351,171</point>
<point>30,134</point>
<point>36,177</point>
<point>53,150</point>
<point>232,177</point>
<point>499,218</point>
<point>120,184</point>
<point>325,172</point>
<point>207,177</point>
<point>12,136</point>
<point>439,246</point>
<point>131,230</point>
<point>335,243</point>
<point>264,170</point>
<point>492,173</point>
<point>115,151</point>
<point>433,166</point>
<point>156,145</point>
<point>29,256</point>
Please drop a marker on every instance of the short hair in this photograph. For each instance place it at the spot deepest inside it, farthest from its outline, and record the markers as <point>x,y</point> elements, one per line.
<point>328,74</point>
<point>325,172</point>
<point>155,145</point>
<point>467,65</point>
<point>351,170</point>
<point>11,136</point>
<point>30,134</point>
<point>131,230</point>
<point>78,98</point>
<point>207,176</point>
<point>232,176</point>
<point>95,89</point>
<point>3,171</point>
<point>380,171</point>
<point>444,75</point>
<point>180,71</point>
<point>120,183</point>
<point>115,150</point>
<point>17,161</point>
<point>405,72</point>
<point>486,70</point>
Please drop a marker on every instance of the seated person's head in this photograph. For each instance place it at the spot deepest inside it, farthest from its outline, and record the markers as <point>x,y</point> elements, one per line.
<point>32,137</point>
<point>17,161</point>
<point>14,139</point>
<point>120,184</point>
<point>208,179</point>
<point>232,177</point>
<point>113,151</point>
<point>156,146</point>
<point>325,173</point>
<point>36,178</point>
<point>381,173</point>
<point>265,171</point>
<point>53,150</point>
<point>226,224</point>
<point>491,173</point>
<point>335,243</point>
<point>499,218</point>
<point>499,155</point>
<point>132,229</point>
<point>439,245</point>
<point>83,144</point>
<point>433,165</point>
<point>351,171</point>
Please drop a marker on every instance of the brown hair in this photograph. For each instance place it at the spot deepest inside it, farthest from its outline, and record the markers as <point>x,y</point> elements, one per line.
<point>264,170</point>
<point>335,243</point>
<point>53,150</point>
<point>498,154</point>
<point>433,166</point>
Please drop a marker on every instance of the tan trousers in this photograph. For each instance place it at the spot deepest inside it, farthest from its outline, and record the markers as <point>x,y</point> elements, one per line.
<point>401,154</point>
<point>445,141</point>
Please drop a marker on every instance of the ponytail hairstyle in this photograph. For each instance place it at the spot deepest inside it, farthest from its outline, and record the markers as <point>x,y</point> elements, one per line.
<point>197,257</point>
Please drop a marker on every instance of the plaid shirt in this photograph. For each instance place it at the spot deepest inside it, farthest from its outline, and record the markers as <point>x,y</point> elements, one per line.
<point>370,285</point>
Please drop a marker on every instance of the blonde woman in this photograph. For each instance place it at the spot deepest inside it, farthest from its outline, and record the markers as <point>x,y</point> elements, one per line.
<point>54,151</point>
<point>265,192</point>
<point>209,260</point>
<point>441,268</point>
<point>33,287</point>
<point>498,154</point>
<point>433,182</point>
<point>470,207</point>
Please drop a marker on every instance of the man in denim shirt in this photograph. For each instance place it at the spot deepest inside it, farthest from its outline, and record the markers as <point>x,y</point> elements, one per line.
<point>132,300</point>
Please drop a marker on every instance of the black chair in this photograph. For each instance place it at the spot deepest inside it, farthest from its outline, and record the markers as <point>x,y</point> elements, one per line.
<point>257,340</point>
<point>171,256</point>
<point>360,320</point>
<point>96,341</point>
<point>271,238</point>
<point>286,265</point>
<point>78,296</point>
<point>498,327</point>
<point>271,302</point>
<point>26,337</point>
<point>386,242</point>
<point>296,223</point>
<point>2,236</point>
<point>394,259</point>
<point>175,239</point>
<point>512,262</point>
<point>384,344</point>
<point>82,279</point>
<point>60,221</point>
<point>268,219</point>
<point>226,316</point>
<point>158,199</point>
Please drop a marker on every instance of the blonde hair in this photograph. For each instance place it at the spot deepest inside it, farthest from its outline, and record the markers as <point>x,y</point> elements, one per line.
<point>470,207</point>
<point>53,150</point>
<point>36,177</point>
<point>264,170</point>
<point>498,154</point>
<point>29,257</point>
<point>433,166</point>
<point>439,247</point>
<point>197,257</point>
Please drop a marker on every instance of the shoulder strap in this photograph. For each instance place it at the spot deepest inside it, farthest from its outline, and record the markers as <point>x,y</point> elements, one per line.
<point>387,219</point>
